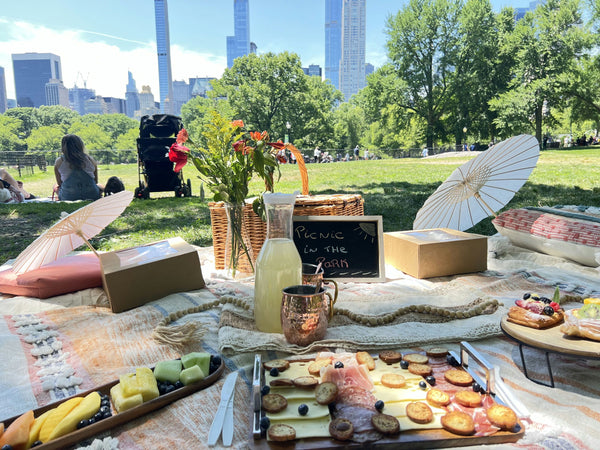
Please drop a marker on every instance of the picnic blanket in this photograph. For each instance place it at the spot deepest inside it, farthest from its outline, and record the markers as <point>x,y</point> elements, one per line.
<point>57,347</point>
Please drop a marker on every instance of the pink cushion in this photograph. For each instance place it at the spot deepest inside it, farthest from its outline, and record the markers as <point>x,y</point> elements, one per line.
<point>68,274</point>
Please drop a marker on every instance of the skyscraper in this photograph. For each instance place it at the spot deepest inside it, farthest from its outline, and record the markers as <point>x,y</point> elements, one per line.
<point>352,63</point>
<point>132,99</point>
<point>57,93</point>
<point>32,71</point>
<point>333,40</point>
<point>3,102</point>
<point>239,44</point>
<point>181,95</point>
<point>163,49</point>
<point>78,96</point>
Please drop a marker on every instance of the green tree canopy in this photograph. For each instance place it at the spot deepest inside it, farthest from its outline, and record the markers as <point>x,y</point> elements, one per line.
<point>9,133</point>
<point>45,138</point>
<point>29,117</point>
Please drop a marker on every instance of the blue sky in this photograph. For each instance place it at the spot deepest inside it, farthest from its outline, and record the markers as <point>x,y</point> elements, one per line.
<point>99,41</point>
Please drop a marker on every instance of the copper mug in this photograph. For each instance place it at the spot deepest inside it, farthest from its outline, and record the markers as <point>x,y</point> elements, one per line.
<point>305,313</point>
<point>310,275</point>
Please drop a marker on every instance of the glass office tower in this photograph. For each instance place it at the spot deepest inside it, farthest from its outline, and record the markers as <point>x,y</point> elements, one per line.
<point>32,71</point>
<point>132,99</point>
<point>163,49</point>
<point>3,99</point>
<point>239,44</point>
<point>333,40</point>
<point>352,64</point>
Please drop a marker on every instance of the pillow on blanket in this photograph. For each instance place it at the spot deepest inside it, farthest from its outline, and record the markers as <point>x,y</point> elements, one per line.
<point>553,232</point>
<point>68,274</point>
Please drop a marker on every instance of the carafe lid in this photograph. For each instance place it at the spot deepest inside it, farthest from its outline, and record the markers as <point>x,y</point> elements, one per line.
<point>279,198</point>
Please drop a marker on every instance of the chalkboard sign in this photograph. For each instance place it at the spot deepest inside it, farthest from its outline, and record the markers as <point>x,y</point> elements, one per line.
<point>350,248</point>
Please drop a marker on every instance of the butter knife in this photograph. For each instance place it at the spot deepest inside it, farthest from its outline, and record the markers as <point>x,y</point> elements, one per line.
<point>227,435</point>
<point>218,421</point>
<point>256,396</point>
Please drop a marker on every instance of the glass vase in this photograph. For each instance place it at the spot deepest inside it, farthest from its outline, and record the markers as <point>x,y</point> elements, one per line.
<point>237,243</point>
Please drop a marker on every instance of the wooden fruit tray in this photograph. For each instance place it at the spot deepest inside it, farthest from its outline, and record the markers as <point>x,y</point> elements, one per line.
<point>118,419</point>
<point>411,439</point>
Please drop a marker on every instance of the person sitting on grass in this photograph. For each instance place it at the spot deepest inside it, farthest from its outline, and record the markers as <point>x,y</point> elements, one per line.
<point>76,172</point>
<point>14,188</point>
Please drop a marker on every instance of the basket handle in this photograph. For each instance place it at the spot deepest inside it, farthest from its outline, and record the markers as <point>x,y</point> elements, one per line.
<point>301,167</point>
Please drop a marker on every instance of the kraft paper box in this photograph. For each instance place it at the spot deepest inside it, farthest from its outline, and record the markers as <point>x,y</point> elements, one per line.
<point>436,252</point>
<point>135,276</point>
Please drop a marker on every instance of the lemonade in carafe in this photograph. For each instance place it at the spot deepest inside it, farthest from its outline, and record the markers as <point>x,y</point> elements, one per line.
<point>278,264</point>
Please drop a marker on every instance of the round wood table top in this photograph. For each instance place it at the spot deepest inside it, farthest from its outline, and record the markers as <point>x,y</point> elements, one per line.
<point>552,340</point>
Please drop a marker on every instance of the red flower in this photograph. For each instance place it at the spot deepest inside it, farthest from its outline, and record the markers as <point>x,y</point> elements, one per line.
<point>281,158</point>
<point>182,136</point>
<point>179,155</point>
<point>237,124</point>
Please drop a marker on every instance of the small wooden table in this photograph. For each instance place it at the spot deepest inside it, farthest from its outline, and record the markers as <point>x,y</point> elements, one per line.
<point>549,340</point>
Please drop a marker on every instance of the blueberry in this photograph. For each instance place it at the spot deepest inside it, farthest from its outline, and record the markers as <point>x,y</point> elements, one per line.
<point>274,372</point>
<point>338,365</point>
<point>105,402</point>
<point>106,415</point>
<point>91,421</point>
<point>7,447</point>
<point>82,423</point>
<point>404,364</point>
<point>265,389</point>
<point>265,423</point>
<point>431,380</point>
<point>546,300</point>
<point>162,389</point>
<point>476,387</point>
<point>216,360</point>
<point>548,310</point>
<point>379,405</point>
<point>104,409</point>
<point>526,295</point>
<point>303,409</point>
<point>169,388</point>
<point>36,443</point>
<point>535,297</point>
<point>98,416</point>
<point>422,384</point>
<point>178,384</point>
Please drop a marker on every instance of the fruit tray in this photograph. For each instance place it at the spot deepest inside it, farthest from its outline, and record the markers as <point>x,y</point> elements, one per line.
<point>483,373</point>
<point>121,418</point>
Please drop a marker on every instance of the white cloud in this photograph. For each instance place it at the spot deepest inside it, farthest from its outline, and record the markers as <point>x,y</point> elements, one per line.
<point>103,64</point>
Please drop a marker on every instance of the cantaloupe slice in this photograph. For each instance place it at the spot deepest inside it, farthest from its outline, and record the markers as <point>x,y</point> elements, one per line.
<point>86,409</point>
<point>17,433</point>
<point>58,414</point>
<point>34,431</point>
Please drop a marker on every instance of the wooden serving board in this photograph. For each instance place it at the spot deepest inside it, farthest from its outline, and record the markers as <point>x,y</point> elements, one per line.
<point>118,419</point>
<point>551,339</point>
<point>411,439</point>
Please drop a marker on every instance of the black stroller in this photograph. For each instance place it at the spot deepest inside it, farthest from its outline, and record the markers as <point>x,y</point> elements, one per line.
<point>157,133</point>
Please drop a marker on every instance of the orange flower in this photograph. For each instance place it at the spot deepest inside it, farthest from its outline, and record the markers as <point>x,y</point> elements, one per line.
<point>237,123</point>
<point>182,136</point>
<point>255,135</point>
<point>278,145</point>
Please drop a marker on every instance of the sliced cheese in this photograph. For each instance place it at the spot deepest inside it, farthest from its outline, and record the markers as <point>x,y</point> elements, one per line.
<point>291,412</point>
<point>294,393</point>
<point>405,394</point>
<point>318,427</point>
<point>296,369</point>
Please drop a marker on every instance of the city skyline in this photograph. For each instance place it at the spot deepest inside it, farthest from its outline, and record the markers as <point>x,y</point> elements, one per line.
<point>99,46</point>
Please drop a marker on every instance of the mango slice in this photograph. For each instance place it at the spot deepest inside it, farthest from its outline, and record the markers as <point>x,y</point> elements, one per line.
<point>86,409</point>
<point>34,432</point>
<point>58,414</point>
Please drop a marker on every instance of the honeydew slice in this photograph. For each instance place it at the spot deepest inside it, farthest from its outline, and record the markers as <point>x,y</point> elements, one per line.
<point>168,370</point>
<point>200,359</point>
<point>191,375</point>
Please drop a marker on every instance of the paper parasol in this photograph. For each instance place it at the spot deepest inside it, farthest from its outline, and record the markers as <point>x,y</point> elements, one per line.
<point>72,231</point>
<point>480,187</point>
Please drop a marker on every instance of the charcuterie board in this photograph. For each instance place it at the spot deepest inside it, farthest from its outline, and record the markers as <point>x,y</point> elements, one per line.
<point>121,418</point>
<point>552,340</point>
<point>435,437</point>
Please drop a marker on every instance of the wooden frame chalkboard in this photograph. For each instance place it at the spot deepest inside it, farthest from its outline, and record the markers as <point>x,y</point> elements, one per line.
<point>350,248</point>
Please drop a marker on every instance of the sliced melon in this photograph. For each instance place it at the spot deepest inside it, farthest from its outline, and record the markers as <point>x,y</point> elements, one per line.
<point>168,370</point>
<point>200,359</point>
<point>17,433</point>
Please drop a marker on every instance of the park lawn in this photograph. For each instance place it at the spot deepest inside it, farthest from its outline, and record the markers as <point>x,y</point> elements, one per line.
<point>393,188</point>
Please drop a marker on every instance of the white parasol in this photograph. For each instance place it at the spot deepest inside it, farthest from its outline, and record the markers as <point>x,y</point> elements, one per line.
<point>481,186</point>
<point>72,231</point>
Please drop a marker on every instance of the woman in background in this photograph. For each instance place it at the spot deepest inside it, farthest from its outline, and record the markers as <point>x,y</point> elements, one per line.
<point>76,172</point>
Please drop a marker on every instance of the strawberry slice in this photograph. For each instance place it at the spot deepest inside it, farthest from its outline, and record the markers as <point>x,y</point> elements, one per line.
<point>555,306</point>
<point>522,303</point>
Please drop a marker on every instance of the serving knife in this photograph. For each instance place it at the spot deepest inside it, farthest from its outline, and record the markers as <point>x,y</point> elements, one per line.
<point>219,420</point>
<point>256,396</point>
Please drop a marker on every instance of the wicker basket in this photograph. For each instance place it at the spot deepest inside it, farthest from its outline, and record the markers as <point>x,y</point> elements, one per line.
<point>255,230</point>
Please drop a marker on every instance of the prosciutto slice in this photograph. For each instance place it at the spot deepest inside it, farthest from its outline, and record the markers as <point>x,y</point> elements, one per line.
<point>348,376</point>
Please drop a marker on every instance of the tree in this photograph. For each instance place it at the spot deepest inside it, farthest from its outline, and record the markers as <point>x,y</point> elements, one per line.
<point>350,126</point>
<point>29,118</point>
<point>57,116</point>
<point>45,138</point>
<point>94,137</point>
<point>9,134</point>
<point>263,91</point>
<point>547,44</point>
<point>422,46</point>
<point>114,125</point>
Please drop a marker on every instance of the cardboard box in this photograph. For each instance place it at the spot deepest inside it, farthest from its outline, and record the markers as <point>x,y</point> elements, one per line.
<point>435,253</point>
<point>135,276</point>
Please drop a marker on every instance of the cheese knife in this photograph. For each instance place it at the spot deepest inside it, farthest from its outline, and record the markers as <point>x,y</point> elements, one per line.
<point>219,420</point>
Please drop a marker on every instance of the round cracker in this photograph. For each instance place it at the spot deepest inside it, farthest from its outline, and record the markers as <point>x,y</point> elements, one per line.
<point>281,432</point>
<point>393,380</point>
<point>502,416</point>
<point>314,368</point>
<point>390,356</point>
<point>468,398</point>
<point>365,358</point>
<point>341,429</point>
<point>326,392</point>
<point>279,364</point>
<point>415,358</point>
<point>458,377</point>
<point>274,403</point>
<point>420,369</point>
<point>419,412</point>
<point>306,382</point>
<point>437,352</point>
<point>385,424</point>
<point>437,398</point>
<point>458,422</point>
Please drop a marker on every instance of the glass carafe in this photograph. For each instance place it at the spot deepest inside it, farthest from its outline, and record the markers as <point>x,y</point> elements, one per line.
<point>278,264</point>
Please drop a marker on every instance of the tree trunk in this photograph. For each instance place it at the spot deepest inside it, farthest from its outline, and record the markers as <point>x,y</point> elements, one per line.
<point>538,124</point>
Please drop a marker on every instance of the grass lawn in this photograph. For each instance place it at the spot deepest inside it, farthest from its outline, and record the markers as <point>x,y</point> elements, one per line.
<point>394,188</point>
